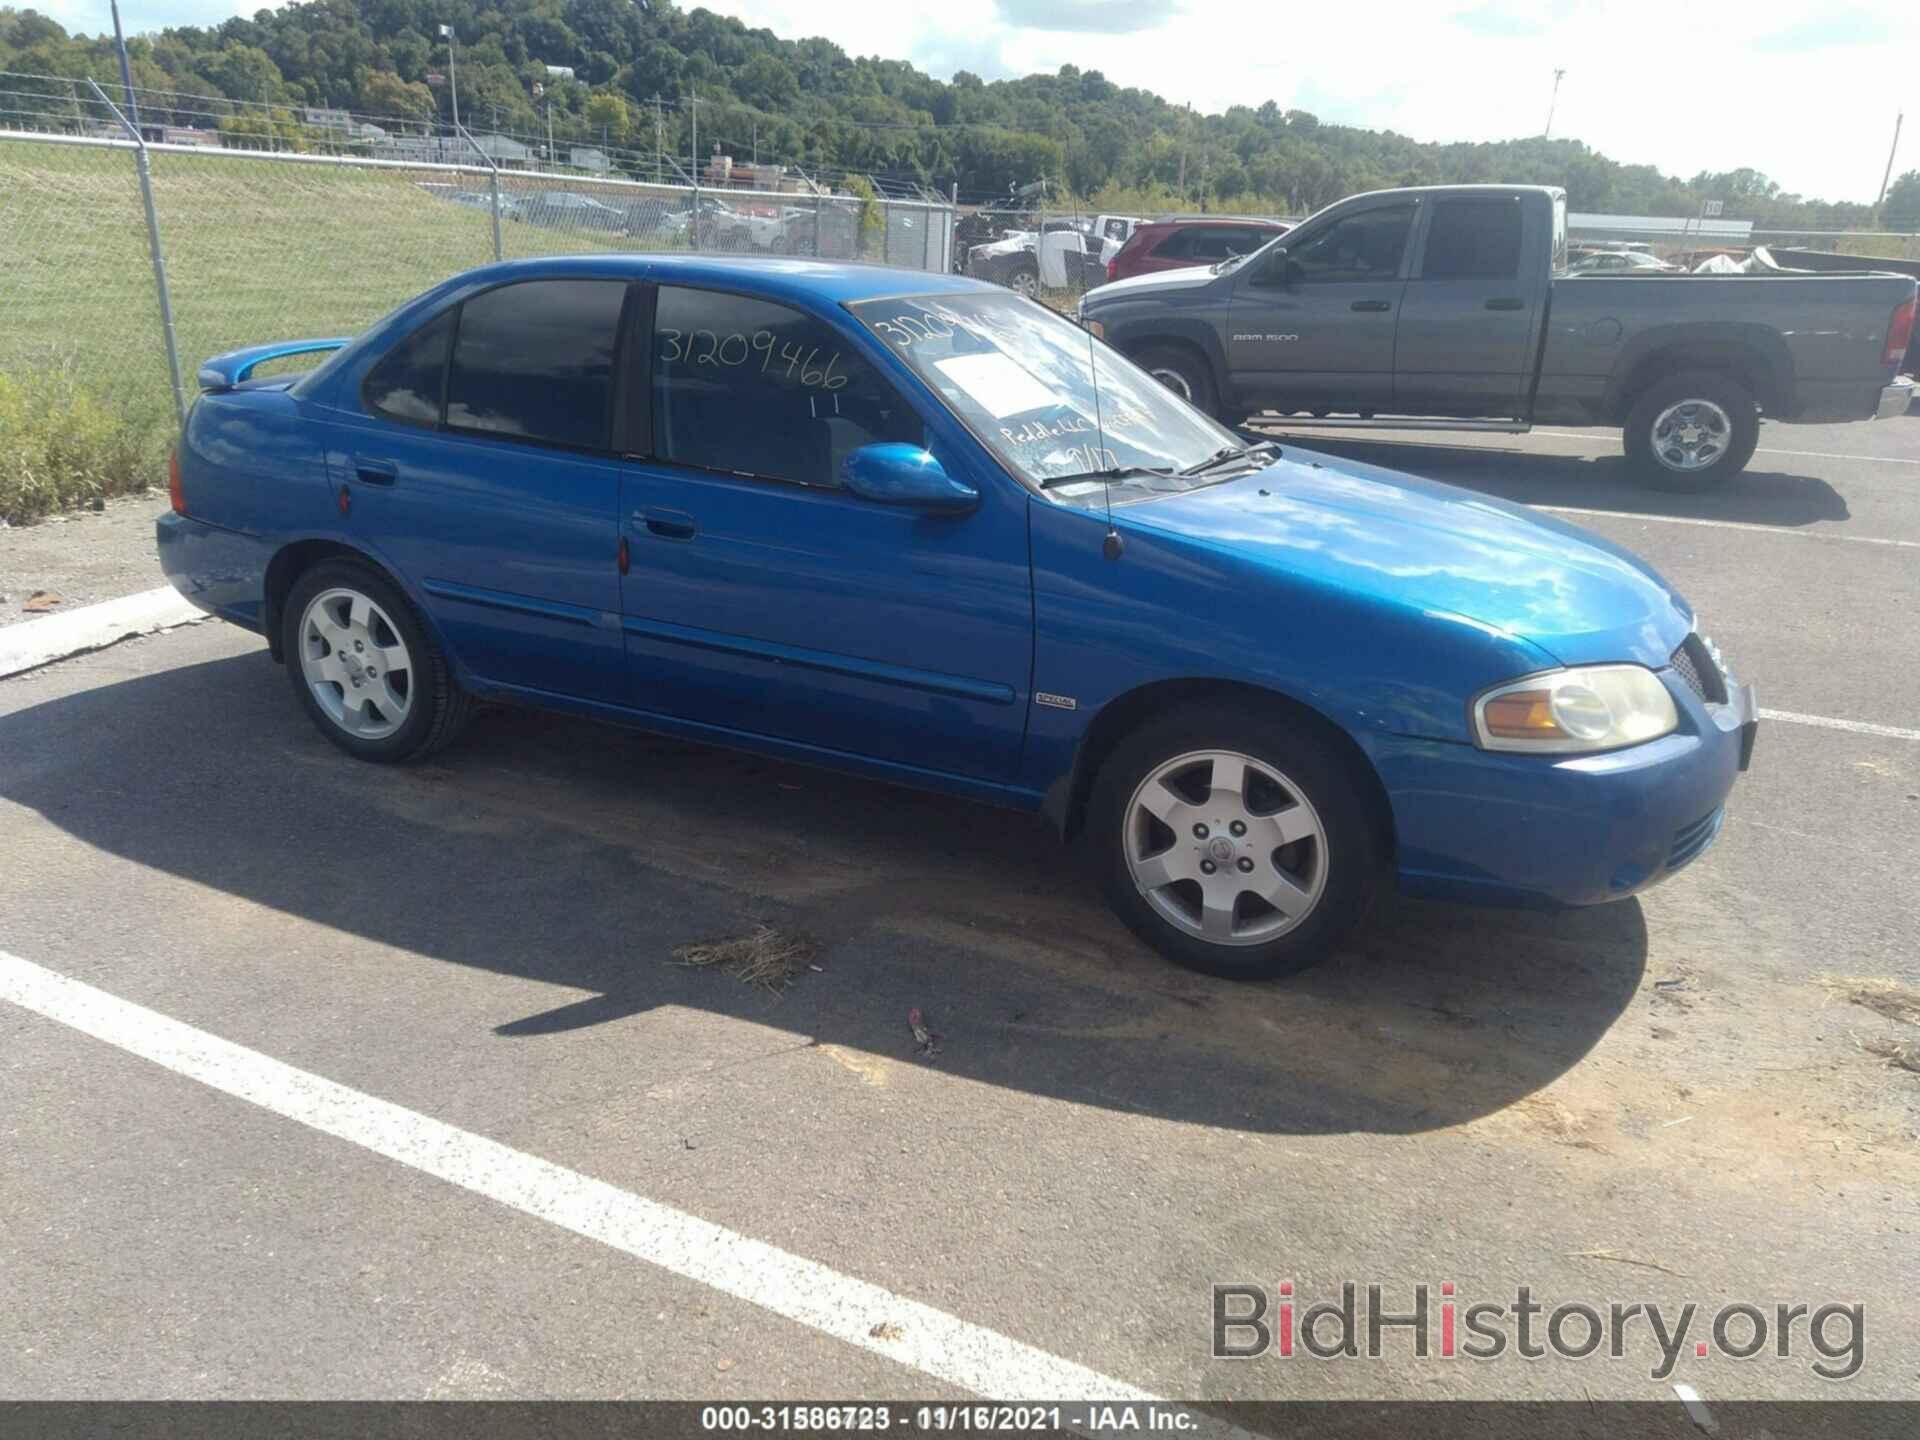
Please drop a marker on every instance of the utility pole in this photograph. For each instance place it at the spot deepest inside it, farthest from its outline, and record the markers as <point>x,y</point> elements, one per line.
<point>453,72</point>
<point>693,112</point>
<point>1552,105</point>
<point>1886,176</point>
<point>659,143</point>
<point>126,70</point>
<point>756,147</point>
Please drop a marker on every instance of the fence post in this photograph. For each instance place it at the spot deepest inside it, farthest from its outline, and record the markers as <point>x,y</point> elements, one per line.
<point>493,171</point>
<point>141,166</point>
<point>926,239</point>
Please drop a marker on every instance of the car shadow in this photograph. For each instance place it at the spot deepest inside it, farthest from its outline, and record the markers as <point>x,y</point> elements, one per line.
<point>585,855</point>
<point>1590,482</point>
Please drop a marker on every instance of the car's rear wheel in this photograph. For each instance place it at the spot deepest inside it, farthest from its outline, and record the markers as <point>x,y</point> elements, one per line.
<point>1024,280</point>
<point>1692,431</point>
<point>1238,845</point>
<point>1183,372</point>
<point>364,666</point>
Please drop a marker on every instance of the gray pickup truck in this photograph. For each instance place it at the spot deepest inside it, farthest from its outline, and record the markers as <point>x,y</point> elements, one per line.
<point>1450,308</point>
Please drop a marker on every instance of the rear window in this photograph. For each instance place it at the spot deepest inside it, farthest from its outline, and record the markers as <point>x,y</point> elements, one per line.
<point>1473,239</point>
<point>535,361</point>
<point>407,382</point>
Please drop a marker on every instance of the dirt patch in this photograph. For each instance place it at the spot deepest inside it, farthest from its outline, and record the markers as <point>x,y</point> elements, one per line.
<point>1902,1056</point>
<point>765,957</point>
<point>80,559</point>
<point>1884,997</point>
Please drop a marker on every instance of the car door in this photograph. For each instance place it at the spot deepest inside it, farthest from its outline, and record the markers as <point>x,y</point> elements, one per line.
<point>480,467</point>
<point>1469,317</point>
<point>760,597</point>
<point>1312,325</point>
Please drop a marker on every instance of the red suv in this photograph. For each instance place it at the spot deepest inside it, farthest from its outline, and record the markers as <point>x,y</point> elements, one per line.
<point>1202,240</point>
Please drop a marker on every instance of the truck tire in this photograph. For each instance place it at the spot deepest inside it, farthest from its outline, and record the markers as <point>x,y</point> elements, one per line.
<point>1024,279</point>
<point>1183,372</point>
<point>1691,431</point>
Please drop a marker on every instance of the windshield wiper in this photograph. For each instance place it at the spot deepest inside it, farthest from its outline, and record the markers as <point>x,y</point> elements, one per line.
<point>1231,454</point>
<point>1118,472</point>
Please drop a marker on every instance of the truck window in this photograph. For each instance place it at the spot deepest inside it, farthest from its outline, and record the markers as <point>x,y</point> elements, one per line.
<point>1473,239</point>
<point>1366,246</point>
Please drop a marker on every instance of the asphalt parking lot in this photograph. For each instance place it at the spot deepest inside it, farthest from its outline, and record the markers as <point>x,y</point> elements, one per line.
<point>1680,1098</point>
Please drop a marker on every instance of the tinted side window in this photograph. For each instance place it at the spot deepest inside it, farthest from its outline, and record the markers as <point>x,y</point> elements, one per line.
<point>536,360</point>
<point>407,382</point>
<point>1471,238</point>
<point>1176,246</point>
<point>1367,246</point>
<point>749,387</point>
<point>1220,241</point>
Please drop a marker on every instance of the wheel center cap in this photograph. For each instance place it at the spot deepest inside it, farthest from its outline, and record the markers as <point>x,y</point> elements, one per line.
<point>1220,849</point>
<point>354,667</point>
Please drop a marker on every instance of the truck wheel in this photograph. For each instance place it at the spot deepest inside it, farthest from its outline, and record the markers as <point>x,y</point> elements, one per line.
<point>1182,372</point>
<point>1024,280</point>
<point>1692,431</point>
<point>1235,843</point>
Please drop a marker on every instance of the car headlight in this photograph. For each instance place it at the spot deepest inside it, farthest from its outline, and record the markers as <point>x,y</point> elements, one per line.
<point>1592,707</point>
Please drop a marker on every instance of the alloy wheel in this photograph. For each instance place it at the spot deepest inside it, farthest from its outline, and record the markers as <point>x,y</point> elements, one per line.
<point>1225,847</point>
<point>1691,435</point>
<point>356,663</point>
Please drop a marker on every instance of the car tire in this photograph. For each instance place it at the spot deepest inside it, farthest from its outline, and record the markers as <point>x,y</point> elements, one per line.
<point>1691,431</point>
<point>1024,280</point>
<point>1182,371</point>
<point>350,637</point>
<point>1299,828</point>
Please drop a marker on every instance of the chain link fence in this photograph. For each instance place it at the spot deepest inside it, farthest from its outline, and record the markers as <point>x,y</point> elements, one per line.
<point>259,246</point>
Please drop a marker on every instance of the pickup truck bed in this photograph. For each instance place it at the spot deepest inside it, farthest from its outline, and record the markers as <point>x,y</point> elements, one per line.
<point>1449,307</point>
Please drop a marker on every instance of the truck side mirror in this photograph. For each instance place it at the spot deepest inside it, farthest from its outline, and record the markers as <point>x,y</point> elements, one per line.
<point>1273,270</point>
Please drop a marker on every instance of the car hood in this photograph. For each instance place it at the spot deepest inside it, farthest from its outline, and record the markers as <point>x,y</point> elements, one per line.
<point>1435,548</point>
<point>1190,277</point>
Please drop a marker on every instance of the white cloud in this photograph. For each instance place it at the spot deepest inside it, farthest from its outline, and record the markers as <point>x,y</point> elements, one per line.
<point>1804,95</point>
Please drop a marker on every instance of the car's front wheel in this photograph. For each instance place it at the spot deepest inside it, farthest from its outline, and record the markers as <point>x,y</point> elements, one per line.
<point>1238,845</point>
<point>364,666</point>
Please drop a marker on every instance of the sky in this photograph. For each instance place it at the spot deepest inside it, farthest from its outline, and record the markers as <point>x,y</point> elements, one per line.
<point>1806,93</point>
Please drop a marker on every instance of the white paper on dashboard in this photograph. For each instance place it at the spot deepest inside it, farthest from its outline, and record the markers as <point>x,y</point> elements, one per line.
<point>998,385</point>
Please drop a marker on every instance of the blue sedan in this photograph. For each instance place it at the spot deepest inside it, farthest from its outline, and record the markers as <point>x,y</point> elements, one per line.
<point>919,528</point>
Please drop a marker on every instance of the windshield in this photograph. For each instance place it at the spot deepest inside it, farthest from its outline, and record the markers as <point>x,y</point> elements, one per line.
<point>1022,379</point>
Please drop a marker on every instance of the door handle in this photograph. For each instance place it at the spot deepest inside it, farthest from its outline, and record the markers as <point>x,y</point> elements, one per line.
<point>1372,305</point>
<point>1506,302</point>
<point>667,524</point>
<point>375,472</point>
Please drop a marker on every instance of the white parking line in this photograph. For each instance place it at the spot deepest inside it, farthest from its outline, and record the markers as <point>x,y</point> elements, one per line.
<point>1827,722</point>
<point>1759,450</point>
<point>1799,534</point>
<point>868,1316</point>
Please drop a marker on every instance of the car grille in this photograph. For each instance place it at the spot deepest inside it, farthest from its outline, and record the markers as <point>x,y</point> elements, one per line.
<point>1690,840</point>
<point>1695,665</point>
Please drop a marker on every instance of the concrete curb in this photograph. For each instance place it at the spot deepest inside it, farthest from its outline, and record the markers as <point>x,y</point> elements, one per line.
<point>28,644</point>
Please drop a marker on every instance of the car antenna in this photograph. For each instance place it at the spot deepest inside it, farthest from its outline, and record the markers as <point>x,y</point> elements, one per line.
<point>1113,545</point>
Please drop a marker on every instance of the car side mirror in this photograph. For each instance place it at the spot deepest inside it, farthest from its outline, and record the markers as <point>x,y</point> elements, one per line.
<point>894,473</point>
<point>1273,270</point>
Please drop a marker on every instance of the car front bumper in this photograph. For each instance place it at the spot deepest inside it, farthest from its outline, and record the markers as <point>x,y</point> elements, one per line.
<point>1507,829</point>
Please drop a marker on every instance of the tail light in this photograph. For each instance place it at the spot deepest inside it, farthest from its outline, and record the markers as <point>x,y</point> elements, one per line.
<point>1113,273</point>
<point>175,495</point>
<point>1899,331</point>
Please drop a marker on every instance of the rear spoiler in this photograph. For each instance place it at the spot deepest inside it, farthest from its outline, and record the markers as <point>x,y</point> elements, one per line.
<point>223,372</point>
